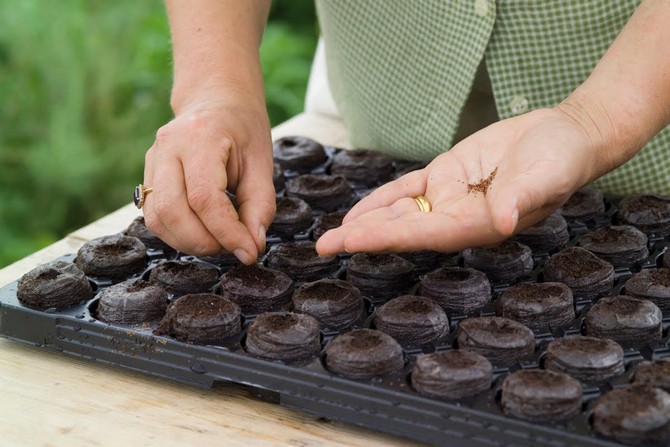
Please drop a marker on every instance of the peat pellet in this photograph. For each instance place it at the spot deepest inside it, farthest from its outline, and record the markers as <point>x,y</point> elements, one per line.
<point>138,229</point>
<point>114,257</point>
<point>380,275</point>
<point>585,204</point>
<point>501,340</point>
<point>56,284</point>
<point>327,221</point>
<point>452,374</point>
<point>585,273</point>
<point>537,305</point>
<point>652,285</point>
<point>131,302</point>
<point>298,153</point>
<point>655,373</point>
<point>541,395</point>
<point>180,277</point>
<point>505,263</point>
<point>335,303</point>
<point>362,166</point>
<point>201,318</point>
<point>456,289</point>
<point>648,212</point>
<point>545,236</point>
<point>283,336</point>
<point>363,353</point>
<point>588,359</point>
<point>637,415</point>
<point>321,191</point>
<point>619,245</point>
<point>412,320</point>
<point>629,321</point>
<point>257,289</point>
<point>293,216</point>
<point>300,261</point>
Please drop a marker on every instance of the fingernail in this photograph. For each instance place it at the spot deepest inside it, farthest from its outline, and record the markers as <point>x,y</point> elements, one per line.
<point>243,256</point>
<point>261,234</point>
<point>515,218</point>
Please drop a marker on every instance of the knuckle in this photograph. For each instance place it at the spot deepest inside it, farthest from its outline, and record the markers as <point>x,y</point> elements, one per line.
<point>163,134</point>
<point>206,248</point>
<point>199,199</point>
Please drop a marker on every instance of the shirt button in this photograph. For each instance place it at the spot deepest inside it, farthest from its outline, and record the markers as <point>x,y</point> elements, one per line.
<point>518,104</point>
<point>481,8</point>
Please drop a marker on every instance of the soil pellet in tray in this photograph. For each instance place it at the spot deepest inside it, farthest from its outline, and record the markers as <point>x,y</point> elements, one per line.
<point>585,204</point>
<point>180,277</point>
<point>452,374</point>
<point>115,257</point>
<point>586,274</point>
<point>321,191</point>
<point>648,212</point>
<point>456,289</point>
<point>541,395</point>
<point>298,153</point>
<point>381,275</point>
<point>505,263</point>
<point>412,320</point>
<point>283,336</point>
<point>293,216</point>
<point>631,322</point>
<point>201,318</point>
<point>300,261</point>
<point>585,358</point>
<point>618,244</point>
<point>334,303</point>
<point>57,284</point>
<point>363,353</point>
<point>637,415</point>
<point>503,341</point>
<point>537,305</point>
<point>257,289</point>
<point>132,301</point>
<point>652,285</point>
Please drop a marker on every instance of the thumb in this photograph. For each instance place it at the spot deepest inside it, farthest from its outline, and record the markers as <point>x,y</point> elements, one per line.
<point>524,200</point>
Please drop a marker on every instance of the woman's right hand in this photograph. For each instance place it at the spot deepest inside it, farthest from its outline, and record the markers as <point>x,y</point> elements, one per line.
<point>218,143</point>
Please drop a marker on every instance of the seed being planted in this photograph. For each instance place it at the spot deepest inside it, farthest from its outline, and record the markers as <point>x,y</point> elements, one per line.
<point>484,184</point>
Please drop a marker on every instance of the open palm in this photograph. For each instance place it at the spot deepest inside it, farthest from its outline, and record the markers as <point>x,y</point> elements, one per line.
<point>535,160</point>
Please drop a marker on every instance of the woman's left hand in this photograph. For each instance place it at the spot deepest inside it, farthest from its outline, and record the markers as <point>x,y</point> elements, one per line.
<point>534,163</point>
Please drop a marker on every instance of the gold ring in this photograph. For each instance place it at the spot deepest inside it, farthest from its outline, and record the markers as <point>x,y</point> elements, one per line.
<point>424,204</point>
<point>140,194</point>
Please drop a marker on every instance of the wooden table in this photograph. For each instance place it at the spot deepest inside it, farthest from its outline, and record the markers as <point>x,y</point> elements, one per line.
<point>49,399</point>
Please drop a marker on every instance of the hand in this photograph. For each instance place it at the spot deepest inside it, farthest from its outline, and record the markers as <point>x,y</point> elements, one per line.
<point>210,146</point>
<point>539,160</point>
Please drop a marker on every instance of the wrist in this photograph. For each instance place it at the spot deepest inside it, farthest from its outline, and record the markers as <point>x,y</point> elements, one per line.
<point>217,86</point>
<point>611,136</point>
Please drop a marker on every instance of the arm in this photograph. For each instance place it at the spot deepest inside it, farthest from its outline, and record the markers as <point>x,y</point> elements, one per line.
<point>540,157</point>
<point>626,100</point>
<point>220,136</point>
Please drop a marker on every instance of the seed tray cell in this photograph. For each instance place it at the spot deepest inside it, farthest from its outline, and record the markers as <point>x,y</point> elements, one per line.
<point>387,403</point>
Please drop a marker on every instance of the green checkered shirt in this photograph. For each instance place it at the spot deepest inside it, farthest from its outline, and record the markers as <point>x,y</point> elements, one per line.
<point>400,71</point>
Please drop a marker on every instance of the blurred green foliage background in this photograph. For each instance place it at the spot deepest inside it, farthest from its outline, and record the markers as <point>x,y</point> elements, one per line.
<point>84,85</point>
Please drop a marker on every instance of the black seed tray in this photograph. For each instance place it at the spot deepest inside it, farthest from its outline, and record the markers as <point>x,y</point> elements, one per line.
<point>387,404</point>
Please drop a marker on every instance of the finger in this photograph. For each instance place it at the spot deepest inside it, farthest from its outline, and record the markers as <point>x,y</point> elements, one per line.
<point>206,183</point>
<point>413,231</point>
<point>401,225</point>
<point>151,219</point>
<point>256,198</point>
<point>183,229</point>
<point>409,185</point>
